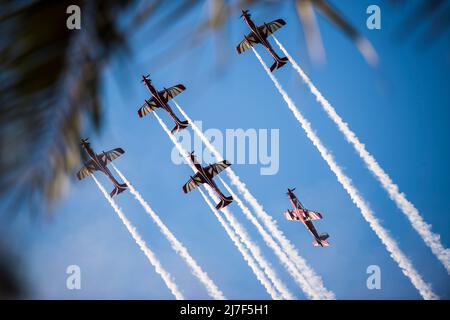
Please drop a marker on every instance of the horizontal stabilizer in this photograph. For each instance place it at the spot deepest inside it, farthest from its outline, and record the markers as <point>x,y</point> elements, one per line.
<point>322,243</point>
<point>278,64</point>
<point>180,126</point>
<point>121,188</point>
<point>223,203</point>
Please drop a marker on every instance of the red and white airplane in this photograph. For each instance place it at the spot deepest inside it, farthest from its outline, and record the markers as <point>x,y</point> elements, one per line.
<point>205,175</point>
<point>100,162</point>
<point>300,213</point>
<point>160,99</point>
<point>260,35</point>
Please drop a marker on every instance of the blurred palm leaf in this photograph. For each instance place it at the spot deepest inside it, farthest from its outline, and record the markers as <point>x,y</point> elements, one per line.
<point>50,81</point>
<point>432,15</point>
<point>10,286</point>
<point>305,9</point>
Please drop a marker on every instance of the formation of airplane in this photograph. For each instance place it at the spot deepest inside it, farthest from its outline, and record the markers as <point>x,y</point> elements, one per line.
<point>205,175</point>
<point>300,213</point>
<point>260,35</point>
<point>99,162</point>
<point>160,99</point>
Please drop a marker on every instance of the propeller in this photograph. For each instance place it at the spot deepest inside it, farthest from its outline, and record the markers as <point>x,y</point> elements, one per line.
<point>244,12</point>
<point>145,77</point>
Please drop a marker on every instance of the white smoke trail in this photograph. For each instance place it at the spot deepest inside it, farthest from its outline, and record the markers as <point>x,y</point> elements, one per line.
<point>142,245</point>
<point>287,263</point>
<point>238,229</point>
<point>247,256</point>
<point>197,271</point>
<point>314,280</point>
<point>431,239</point>
<point>395,252</point>
<point>254,250</point>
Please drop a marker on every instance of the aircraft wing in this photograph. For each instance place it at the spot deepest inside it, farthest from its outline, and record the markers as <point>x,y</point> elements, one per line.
<point>313,215</point>
<point>147,107</point>
<point>173,91</point>
<point>268,28</point>
<point>88,169</point>
<point>290,215</point>
<point>215,169</point>
<point>249,41</point>
<point>109,156</point>
<point>193,183</point>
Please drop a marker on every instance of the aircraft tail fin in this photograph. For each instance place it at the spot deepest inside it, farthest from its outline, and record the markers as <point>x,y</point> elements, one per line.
<point>278,64</point>
<point>324,236</point>
<point>223,203</point>
<point>180,126</point>
<point>322,240</point>
<point>121,188</point>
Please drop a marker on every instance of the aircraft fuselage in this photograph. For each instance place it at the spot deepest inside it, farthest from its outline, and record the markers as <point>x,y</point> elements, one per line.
<point>208,180</point>
<point>261,38</point>
<point>304,217</point>
<point>99,164</point>
<point>161,101</point>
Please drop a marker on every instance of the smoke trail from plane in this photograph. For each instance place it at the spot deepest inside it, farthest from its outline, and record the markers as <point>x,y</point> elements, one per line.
<point>431,239</point>
<point>390,244</point>
<point>254,249</point>
<point>314,280</point>
<point>237,228</point>
<point>247,256</point>
<point>179,248</point>
<point>142,245</point>
<point>287,263</point>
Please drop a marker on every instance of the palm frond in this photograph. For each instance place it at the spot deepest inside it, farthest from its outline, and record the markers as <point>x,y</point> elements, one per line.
<point>50,87</point>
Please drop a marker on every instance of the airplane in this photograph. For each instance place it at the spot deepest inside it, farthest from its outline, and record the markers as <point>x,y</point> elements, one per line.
<point>205,175</point>
<point>160,99</point>
<point>259,35</point>
<point>100,162</point>
<point>306,216</point>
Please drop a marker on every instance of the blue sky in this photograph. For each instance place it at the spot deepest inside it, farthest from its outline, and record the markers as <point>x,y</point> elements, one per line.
<point>399,110</point>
